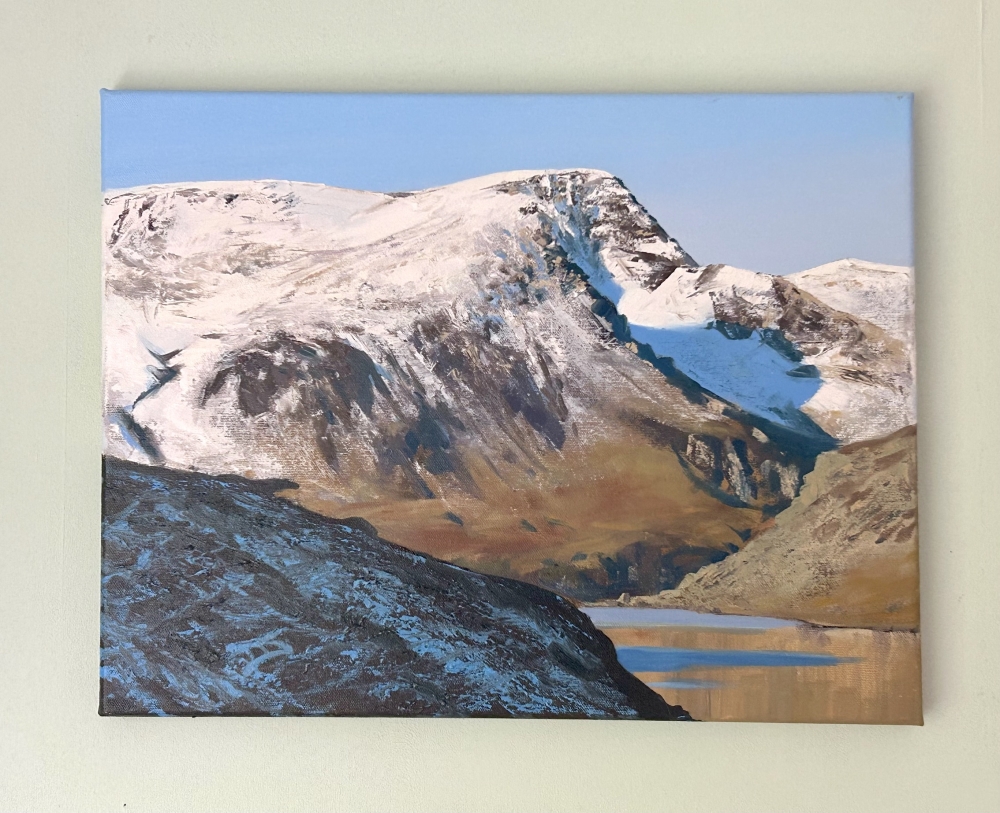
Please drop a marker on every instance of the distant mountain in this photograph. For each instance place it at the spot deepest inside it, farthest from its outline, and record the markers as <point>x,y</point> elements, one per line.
<point>880,294</point>
<point>844,554</point>
<point>523,373</point>
<point>219,598</point>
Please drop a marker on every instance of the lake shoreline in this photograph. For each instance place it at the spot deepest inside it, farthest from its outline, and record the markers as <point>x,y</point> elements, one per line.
<point>651,603</point>
<point>760,669</point>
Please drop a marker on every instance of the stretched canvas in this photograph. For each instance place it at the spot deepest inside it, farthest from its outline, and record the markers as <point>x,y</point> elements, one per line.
<point>530,406</point>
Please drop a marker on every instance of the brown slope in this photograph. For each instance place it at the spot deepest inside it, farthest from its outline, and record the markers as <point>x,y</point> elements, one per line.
<point>844,554</point>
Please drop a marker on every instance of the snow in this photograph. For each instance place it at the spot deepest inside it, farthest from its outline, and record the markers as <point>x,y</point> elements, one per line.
<point>881,294</point>
<point>203,269</point>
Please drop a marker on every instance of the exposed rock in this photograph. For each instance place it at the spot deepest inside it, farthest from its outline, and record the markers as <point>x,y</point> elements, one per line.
<point>530,352</point>
<point>844,554</point>
<point>219,598</point>
<point>880,294</point>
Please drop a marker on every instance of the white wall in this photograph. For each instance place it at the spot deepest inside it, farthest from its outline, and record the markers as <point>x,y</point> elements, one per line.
<point>55,753</point>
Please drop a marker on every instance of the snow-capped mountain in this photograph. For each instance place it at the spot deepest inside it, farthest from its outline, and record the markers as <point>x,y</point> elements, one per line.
<point>530,340</point>
<point>880,294</point>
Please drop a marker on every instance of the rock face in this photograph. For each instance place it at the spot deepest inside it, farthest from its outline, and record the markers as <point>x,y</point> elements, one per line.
<point>219,598</point>
<point>844,554</point>
<point>522,373</point>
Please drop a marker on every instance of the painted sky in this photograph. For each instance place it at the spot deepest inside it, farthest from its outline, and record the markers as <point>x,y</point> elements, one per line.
<point>775,183</point>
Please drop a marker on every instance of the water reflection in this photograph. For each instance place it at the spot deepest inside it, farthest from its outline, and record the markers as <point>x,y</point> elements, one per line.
<point>670,659</point>
<point>758,669</point>
<point>611,617</point>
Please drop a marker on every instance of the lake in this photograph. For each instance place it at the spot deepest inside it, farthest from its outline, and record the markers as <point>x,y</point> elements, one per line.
<point>744,668</point>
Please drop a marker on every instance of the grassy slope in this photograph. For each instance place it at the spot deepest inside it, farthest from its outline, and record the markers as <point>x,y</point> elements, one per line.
<point>844,554</point>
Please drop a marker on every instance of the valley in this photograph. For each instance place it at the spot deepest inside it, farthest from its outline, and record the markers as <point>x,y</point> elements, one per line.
<point>523,374</point>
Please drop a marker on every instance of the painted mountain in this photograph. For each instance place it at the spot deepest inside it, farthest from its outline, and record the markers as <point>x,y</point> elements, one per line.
<point>527,387</point>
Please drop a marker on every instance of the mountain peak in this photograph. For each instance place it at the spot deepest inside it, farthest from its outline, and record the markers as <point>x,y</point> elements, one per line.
<point>880,294</point>
<point>524,175</point>
<point>416,352</point>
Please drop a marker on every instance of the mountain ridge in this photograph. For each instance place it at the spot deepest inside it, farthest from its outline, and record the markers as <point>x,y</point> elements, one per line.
<point>424,354</point>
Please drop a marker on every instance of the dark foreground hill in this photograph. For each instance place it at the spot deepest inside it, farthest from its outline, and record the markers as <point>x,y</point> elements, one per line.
<point>219,598</point>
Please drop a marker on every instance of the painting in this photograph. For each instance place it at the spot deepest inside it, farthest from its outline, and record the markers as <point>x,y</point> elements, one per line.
<point>583,406</point>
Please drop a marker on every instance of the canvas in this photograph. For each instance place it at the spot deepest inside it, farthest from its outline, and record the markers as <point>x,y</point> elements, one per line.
<point>518,406</point>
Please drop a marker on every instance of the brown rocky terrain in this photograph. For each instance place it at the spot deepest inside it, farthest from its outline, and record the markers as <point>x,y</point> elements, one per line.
<point>844,554</point>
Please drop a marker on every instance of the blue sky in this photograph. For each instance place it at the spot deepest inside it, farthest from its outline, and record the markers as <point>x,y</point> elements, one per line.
<point>775,183</point>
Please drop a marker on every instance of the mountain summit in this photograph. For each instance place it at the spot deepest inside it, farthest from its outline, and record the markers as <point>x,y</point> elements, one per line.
<point>523,372</point>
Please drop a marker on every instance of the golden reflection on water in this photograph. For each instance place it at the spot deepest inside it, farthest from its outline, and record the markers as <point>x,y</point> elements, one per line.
<point>882,686</point>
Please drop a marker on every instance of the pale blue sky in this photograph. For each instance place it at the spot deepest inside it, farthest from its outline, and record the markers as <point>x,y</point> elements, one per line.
<point>775,183</point>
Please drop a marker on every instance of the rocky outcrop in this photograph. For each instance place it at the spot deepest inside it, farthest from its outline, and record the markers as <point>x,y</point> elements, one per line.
<point>844,554</point>
<point>219,598</point>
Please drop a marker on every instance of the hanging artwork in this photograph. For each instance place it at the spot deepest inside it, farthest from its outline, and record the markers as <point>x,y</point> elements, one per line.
<point>531,406</point>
